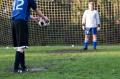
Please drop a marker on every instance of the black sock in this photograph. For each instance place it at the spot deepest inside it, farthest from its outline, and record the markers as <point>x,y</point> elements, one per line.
<point>23,61</point>
<point>17,61</point>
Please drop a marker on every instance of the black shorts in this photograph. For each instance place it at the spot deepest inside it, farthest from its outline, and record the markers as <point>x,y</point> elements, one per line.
<point>20,33</point>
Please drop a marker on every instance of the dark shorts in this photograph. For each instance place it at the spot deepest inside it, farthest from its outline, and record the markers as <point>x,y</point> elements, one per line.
<point>89,31</point>
<point>20,33</point>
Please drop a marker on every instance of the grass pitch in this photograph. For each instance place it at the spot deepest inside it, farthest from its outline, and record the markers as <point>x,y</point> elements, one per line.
<point>64,62</point>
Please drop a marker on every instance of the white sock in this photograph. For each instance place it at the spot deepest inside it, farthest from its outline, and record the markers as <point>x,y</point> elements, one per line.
<point>24,47</point>
<point>20,49</point>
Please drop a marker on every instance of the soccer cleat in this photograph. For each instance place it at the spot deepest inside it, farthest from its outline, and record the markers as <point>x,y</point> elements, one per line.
<point>18,71</point>
<point>85,49</point>
<point>94,48</point>
<point>25,70</point>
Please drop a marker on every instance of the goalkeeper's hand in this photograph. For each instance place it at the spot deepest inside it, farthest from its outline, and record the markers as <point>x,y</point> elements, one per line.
<point>83,27</point>
<point>98,28</point>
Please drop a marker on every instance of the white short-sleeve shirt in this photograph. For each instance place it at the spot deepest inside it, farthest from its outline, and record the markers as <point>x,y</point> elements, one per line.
<point>91,18</point>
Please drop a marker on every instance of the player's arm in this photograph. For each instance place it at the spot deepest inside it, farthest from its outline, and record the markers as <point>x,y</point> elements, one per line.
<point>39,13</point>
<point>98,21</point>
<point>34,7</point>
<point>84,20</point>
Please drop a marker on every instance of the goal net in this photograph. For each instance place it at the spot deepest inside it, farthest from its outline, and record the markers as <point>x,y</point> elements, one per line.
<point>65,22</point>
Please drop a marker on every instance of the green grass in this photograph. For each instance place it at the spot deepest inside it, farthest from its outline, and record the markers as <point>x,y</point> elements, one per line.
<point>64,62</point>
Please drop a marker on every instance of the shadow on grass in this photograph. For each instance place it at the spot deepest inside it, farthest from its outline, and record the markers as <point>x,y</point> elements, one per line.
<point>62,51</point>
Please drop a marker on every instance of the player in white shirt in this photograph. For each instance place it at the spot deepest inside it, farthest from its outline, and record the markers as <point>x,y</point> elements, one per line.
<point>91,24</point>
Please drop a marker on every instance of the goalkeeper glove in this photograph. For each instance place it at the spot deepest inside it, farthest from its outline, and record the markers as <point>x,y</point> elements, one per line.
<point>83,27</point>
<point>98,28</point>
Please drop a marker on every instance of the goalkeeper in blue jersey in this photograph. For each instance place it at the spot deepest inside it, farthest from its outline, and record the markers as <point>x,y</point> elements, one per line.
<point>21,10</point>
<point>90,24</point>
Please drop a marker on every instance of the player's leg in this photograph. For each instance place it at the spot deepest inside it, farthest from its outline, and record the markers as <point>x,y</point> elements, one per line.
<point>86,41</point>
<point>22,62</point>
<point>94,41</point>
<point>19,40</point>
<point>23,43</point>
<point>15,34</point>
<point>17,61</point>
<point>94,31</point>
